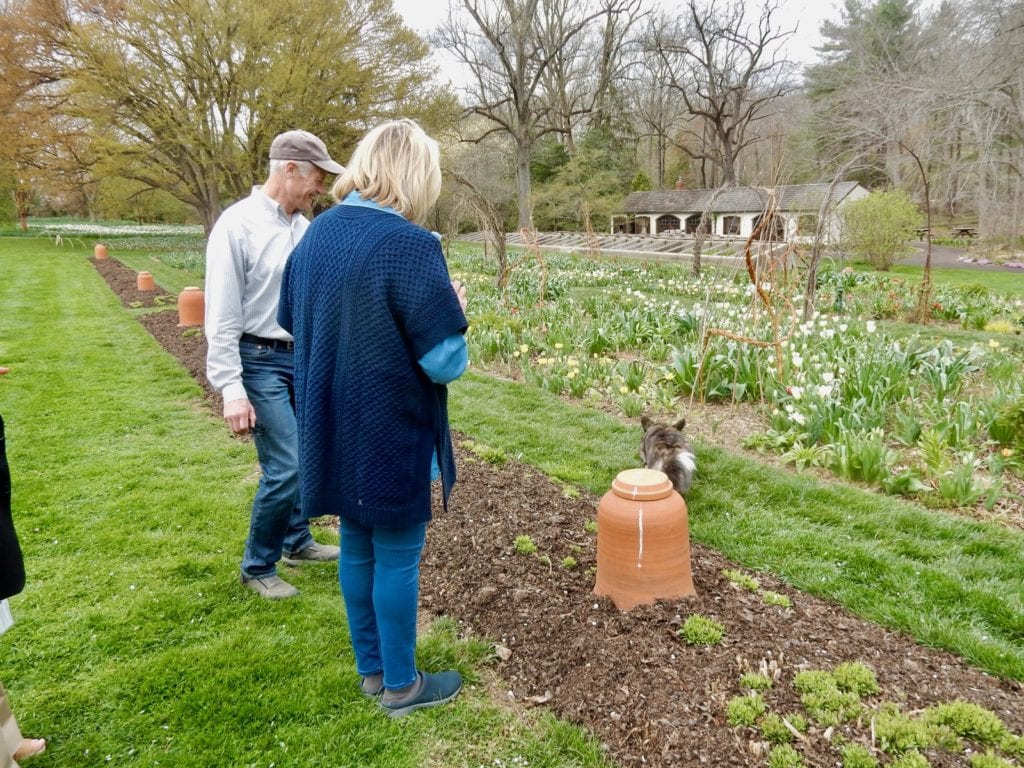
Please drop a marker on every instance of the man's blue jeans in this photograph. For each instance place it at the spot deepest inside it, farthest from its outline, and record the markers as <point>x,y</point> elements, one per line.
<point>277,521</point>
<point>379,571</point>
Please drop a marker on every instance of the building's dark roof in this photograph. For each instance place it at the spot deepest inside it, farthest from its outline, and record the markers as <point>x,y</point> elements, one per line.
<point>792,197</point>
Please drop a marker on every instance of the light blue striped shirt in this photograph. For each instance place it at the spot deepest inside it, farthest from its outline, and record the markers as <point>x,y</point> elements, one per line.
<point>245,256</point>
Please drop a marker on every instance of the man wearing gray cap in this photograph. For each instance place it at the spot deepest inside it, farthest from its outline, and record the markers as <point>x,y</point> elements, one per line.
<point>249,358</point>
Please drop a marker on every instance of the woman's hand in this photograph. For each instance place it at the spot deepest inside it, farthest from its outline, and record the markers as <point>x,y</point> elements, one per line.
<point>460,290</point>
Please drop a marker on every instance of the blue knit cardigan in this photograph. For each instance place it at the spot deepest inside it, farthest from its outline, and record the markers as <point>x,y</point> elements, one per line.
<point>366,294</point>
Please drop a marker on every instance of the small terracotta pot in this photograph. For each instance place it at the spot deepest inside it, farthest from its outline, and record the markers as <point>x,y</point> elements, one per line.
<point>191,306</point>
<point>643,541</point>
<point>145,282</point>
<point>100,251</point>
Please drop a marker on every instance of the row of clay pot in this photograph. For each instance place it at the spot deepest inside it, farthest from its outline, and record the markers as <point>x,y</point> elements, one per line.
<point>191,301</point>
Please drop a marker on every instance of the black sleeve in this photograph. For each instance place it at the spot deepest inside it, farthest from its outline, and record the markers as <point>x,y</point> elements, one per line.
<point>12,567</point>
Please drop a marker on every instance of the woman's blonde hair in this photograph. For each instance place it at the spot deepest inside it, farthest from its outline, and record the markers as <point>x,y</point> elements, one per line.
<point>397,165</point>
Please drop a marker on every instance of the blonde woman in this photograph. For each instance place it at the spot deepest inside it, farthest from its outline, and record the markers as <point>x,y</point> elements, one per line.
<point>379,331</point>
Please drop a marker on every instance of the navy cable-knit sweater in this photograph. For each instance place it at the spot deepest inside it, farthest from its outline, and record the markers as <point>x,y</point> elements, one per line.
<point>366,294</point>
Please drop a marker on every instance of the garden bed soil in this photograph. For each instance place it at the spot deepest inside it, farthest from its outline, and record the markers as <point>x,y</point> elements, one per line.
<point>651,699</point>
<point>124,282</point>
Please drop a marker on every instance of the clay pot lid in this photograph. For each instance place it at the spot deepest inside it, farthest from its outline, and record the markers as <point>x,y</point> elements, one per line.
<point>642,484</point>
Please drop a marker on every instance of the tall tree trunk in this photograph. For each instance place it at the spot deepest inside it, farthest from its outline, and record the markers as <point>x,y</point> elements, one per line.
<point>208,215</point>
<point>523,178</point>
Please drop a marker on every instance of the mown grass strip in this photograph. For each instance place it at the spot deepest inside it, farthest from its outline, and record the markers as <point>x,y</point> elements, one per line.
<point>1000,281</point>
<point>951,582</point>
<point>134,643</point>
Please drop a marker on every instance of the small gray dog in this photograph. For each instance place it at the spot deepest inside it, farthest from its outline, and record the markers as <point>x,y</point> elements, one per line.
<point>664,448</point>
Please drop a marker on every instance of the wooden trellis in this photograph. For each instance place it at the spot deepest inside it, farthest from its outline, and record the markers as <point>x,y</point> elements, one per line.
<point>770,307</point>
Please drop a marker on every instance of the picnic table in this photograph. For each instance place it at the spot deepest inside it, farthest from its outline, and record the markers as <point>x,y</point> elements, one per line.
<point>964,231</point>
<point>921,232</point>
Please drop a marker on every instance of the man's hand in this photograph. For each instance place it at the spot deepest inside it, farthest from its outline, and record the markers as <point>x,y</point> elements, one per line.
<point>240,416</point>
<point>460,290</point>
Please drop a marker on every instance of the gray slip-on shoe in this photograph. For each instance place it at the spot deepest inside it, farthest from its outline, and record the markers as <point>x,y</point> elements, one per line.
<point>436,689</point>
<point>314,553</point>
<point>372,686</point>
<point>271,587</point>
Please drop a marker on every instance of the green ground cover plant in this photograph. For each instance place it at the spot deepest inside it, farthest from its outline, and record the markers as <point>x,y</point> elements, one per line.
<point>775,598</point>
<point>755,681</point>
<point>701,630</point>
<point>134,643</point>
<point>773,729</point>
<point>745,710</point>
<point>784,756</point>
<point>850,710</point>
<point>523,545</point>
<point>857,756</point>
<point>742,579</point>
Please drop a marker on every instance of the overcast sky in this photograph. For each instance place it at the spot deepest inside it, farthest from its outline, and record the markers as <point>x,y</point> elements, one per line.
<point>805,15</point>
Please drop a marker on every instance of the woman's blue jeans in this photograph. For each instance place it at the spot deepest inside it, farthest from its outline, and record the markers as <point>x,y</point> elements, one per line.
<point>379,571</point>
<point>277,521</point>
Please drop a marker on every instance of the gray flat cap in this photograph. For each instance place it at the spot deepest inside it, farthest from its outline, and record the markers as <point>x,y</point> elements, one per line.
<point>303,145</point>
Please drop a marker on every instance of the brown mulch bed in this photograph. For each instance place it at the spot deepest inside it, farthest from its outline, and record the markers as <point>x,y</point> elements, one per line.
<point>124,283</point>
<point>187,345</point>
<point>650,698</point>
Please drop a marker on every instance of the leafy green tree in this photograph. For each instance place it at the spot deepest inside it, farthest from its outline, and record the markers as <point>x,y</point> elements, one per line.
<point>878,228</point>
<point>134,201</point>
<point>186,95</point>
<point>595,181</point>
<point>641,182</point>
<point>7,211</point>
<point>547,158</point>
<point>26,53</point>
<point>881,35</point>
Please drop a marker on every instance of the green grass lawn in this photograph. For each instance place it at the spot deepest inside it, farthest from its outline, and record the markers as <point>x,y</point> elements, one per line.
<point>135,645</point>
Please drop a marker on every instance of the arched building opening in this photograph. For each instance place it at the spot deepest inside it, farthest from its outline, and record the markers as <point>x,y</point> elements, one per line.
<point>667,223</point>
<point>693,224</point>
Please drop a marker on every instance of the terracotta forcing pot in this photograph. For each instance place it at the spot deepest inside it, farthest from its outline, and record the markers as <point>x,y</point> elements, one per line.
<point>145,282</point>
<point>99,251</point>
<point>643,541</point>
<point>191,306</point>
